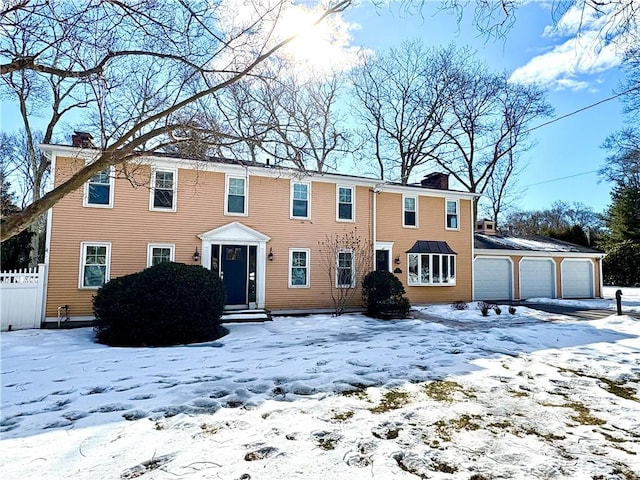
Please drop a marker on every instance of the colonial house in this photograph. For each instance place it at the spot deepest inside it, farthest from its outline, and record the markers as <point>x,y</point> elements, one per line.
<point>512,267</point>
<point>258,226</point>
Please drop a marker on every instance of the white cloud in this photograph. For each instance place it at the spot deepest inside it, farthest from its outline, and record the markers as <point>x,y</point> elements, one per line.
<point>591,45</point>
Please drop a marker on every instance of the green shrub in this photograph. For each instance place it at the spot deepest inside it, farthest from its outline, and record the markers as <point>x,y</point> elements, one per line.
<point>383,296</point>
<point>621,266</point>
<point>168,304</point>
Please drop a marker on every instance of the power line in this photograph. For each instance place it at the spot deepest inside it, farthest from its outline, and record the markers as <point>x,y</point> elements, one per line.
<point>561,178</point>
<point>613,97</point>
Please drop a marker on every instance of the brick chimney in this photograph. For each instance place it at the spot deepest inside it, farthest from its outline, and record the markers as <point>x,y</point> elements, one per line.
<point>436,180</point>
<point>486,227</point>
<point>82,140</point>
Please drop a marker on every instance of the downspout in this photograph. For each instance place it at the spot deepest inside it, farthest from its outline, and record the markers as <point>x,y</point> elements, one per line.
<point>374,229</point>
<point>601,277</point>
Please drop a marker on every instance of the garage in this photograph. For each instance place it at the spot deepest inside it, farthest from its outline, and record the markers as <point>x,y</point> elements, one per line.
<point>493,279</point>
<point>577,279</point>
<point>537,278</point>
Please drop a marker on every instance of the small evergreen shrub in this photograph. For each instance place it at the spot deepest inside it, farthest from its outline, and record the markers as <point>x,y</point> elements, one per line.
<point>459,305</point>
<point>497,309</point>
<point>512,310</point>
<point>484,308</point>
<point>382,293</point>
<point>168,304</point>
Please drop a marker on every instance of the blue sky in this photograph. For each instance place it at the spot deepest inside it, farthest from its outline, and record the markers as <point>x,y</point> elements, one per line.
<point>574,76</point>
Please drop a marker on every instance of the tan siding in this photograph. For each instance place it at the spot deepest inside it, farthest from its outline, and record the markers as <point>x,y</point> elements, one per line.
<point>130,226</point>
<point>431,226</point>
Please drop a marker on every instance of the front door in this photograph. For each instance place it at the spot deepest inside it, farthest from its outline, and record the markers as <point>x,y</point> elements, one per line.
<point>382,260</point>
<point>234,273</point>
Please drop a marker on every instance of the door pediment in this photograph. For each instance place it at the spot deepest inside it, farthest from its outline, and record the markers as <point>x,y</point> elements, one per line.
<point>233,232</point>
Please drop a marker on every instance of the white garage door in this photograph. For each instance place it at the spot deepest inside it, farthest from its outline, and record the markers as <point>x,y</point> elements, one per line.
<point>492,279</point>
<point>537,278</point>
<point>577,279</point>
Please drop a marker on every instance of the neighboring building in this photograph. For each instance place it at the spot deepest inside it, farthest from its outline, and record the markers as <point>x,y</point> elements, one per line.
<point>509,267</point>
<point>257,225</point>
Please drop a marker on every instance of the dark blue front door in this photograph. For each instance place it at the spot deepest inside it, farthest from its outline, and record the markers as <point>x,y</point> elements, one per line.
<point>234,273</point>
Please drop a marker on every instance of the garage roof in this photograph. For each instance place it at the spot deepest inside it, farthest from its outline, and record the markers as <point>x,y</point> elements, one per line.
<point>530,243</point>
<point>431,246</point>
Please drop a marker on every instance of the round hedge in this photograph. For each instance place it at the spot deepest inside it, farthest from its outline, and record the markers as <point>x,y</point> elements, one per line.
<point>167,304</point>
<point>383,296</point>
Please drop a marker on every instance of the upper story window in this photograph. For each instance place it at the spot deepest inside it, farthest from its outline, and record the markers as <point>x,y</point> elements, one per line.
<point>345,274</point>
<point>163,190</point>
<point>432,269</point>
<point>300,200</point>
<point>95,259</point>
<point>99,189</point>
<point>299,267</point>
<point>346,204</point>
<point>236,198</point>
<point>160,253</point>
<point>452,214</point>
<point>409,211</point>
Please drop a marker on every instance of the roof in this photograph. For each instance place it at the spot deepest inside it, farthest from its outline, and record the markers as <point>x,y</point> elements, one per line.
<point>528,243</point>
<point>212,160</point>
<point>431,246</point>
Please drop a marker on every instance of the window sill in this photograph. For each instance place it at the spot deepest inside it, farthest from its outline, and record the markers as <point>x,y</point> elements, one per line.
<point>91,205</point>
<point>233,214</point>
<point>431,284</point>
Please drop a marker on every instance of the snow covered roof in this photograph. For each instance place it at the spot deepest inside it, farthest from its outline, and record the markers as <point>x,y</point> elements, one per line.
<point>531,243</point>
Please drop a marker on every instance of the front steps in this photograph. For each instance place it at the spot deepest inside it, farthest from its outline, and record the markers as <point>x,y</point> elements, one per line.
<point>241,316</point>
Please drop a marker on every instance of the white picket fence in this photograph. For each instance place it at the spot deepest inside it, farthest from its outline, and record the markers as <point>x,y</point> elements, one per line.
<point>22,298</point>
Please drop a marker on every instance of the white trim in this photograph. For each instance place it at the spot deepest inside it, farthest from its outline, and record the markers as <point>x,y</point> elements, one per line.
<point>531,253</point>
<point>245,179</point>
<point>601,278</point>
<point>415,197</point>
<point>388,246</point>
<point>353,267</point>
<point>85,195</point>
<point>152,184</point>
<point>353,203</point>
<point>151,246</point>
<point>446,213</point>
<point>235,233</point>
<point>107,273</point>
<point>513,287</point>
<point>433,284</point>
<point>293,182</point>
<point>269,172</point>
<point>538,259</point>
<point>307,267</point>
<point>593,275</point>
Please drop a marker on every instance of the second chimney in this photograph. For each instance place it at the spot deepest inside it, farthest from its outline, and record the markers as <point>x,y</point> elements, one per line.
<point>82,140</point>
<point>439,181</point>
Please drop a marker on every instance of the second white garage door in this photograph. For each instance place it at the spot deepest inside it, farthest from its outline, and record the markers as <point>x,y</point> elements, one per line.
<point>537,278</point>
<point>492,279</point>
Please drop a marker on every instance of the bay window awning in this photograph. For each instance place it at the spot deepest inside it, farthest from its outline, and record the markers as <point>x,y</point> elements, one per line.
<point>431,246</point>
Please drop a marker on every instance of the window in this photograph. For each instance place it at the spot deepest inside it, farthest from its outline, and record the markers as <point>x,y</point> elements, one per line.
<point>409,211</point>
<point>345,204</point>
<point>159,253</point>
<point>299,267</point>
<point>432,269</point>
<point>345,275</point>
<point>452,214</point>
<point>300,200</point>
<point>163,189</point>
<point>236,200</point>
<point>94,264</point>
<point>99,189</point>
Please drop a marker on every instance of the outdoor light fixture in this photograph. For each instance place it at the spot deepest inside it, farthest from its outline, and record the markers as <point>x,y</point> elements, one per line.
<point>196,255</point>
<point>397,260</point>
<point>270,256</point>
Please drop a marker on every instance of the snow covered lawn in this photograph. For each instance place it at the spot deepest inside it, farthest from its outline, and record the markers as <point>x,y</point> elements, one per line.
<point>460,396</point>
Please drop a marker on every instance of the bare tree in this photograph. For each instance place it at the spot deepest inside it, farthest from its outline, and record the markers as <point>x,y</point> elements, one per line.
<point>402,98</point>
<point>486,127</point>
<point>142,66</point>
<point>345,259</point>
<point>289,118</point>
<point>502,191</point>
